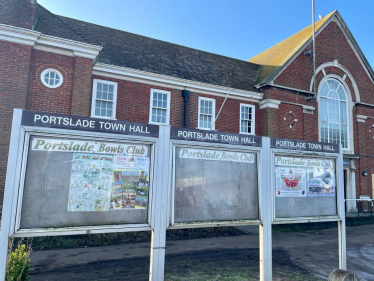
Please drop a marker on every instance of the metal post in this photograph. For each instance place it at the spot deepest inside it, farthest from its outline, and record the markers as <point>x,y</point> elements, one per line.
<point>341,213</point>
<point>160,203</point>
<point>10,194</point>
<point>314,52</point>
<point>265,214</point>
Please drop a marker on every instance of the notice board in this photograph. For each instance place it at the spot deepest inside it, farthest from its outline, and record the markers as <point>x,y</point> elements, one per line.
<point>85,182</point>
<point>305,186</point>
<point>215,185</point>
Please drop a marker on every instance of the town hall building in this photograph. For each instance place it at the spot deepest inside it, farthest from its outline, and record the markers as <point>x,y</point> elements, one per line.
<point>56,64</point>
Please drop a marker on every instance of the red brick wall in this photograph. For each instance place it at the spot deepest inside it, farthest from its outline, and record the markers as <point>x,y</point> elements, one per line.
<point>40,97</point>
<point>14,73</point>
<point>19,13</point>
<point>330,44</point>
<point>133,105</point>
<point>82,87</point>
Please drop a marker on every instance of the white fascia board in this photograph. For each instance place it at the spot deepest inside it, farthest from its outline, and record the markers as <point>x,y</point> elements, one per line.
<point>129,74</point>
<point>269,103</point>
<point>18,35</point>
<point>67,47</point>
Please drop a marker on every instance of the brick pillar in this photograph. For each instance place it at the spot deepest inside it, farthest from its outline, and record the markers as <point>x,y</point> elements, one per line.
<point>82,87</point>
<point>269,123</point>
<point>14,74</point>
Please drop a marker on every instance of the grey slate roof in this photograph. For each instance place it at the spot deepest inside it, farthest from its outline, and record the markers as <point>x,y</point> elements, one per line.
<point>126,49</point>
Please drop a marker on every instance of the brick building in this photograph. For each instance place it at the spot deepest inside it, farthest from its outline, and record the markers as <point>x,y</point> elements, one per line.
<point>62,65</point>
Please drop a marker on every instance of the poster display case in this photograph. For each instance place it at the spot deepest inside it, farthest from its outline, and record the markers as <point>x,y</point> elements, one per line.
<point>213,184</point>
<point>80,175</point>
<point>305,181</point>
<point>84,182</point>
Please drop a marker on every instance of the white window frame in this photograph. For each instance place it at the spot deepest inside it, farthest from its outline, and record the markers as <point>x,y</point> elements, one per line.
<point>349,103</point>
<point>168,93</point>
<point>213,113</point>
<point>253,108</point>
<point>45,71</point>
<point>94,88</point>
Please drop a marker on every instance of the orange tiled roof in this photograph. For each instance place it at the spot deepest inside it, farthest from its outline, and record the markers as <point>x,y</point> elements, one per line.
<point>279,54</point>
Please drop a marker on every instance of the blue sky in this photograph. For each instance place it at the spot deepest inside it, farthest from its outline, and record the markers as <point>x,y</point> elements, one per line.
<point>235,28</point>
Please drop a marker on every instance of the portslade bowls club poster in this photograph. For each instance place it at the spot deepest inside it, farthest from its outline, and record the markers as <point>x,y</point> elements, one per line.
<point>301,177</point>
<point>290,182</point>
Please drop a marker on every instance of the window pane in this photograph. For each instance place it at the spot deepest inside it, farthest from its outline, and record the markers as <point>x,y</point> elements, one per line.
<point>324,90</point>
<point>109,113</point>
<point>99,86</point>
<point>333,95</point>
<point>104,96</point>
<point>52,75</point>
<point>98,94</point>
<point>97,111</point>
<point>111,88</point>
<point>98,103</point>
<point>105,87</point>
<point>103,111</point>
<point>110,96</point>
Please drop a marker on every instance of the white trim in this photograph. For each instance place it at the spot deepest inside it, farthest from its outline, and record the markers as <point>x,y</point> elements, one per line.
<point>129,74</point>
<point>323,71</point>
<point>67,47</point>
<point>349,108</point>
<point>346,73</point>
<point>168,93</point>
<point>48,43</point>
<point>253,120</point>
<point>18,35</point>
<point>213,113</point>
<point>269,103</point>
<point>94,88</point>
<point>361,118</point>
<point>45,71</point>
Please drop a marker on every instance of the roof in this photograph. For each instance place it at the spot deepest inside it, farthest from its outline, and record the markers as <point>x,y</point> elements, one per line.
<point>276,56</point>
<point>124,49</point>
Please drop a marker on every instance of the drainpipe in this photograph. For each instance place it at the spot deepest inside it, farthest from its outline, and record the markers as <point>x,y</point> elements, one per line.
<point>185,96</point>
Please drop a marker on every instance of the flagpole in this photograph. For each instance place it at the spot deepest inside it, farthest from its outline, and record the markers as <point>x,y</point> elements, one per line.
<point>314,52</point>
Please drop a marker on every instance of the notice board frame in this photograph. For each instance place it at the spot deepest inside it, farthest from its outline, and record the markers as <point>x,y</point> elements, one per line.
<point>16,176</point>
<point>231,148</point>
<point>339,191</point>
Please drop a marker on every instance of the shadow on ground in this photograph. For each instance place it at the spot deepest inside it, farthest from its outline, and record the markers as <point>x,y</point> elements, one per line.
<point>218,264</point>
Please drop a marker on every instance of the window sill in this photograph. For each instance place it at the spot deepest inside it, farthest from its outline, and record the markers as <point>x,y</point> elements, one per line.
<point>101,117</point>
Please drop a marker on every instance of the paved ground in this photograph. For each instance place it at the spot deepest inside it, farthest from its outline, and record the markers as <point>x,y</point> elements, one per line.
<point>314,251</point>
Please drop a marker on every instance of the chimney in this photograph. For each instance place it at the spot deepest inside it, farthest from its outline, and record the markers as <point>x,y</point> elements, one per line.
<point>20,13</point>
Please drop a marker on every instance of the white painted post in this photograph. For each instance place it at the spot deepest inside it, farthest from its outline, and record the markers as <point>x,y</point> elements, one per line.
<point>160,203</point>
<point>341,213</point>
<point>352,204</point>
<point>10,194</point>
<point>266,211</point>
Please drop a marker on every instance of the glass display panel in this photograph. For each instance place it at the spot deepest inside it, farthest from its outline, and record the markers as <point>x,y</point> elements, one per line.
<point>79,182</point>
<point>304,186</point>
<point>215,185</point>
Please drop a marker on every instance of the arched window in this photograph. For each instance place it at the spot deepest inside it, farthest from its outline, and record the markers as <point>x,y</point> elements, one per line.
<point>333,113</point>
